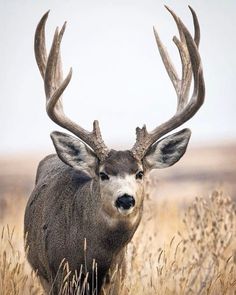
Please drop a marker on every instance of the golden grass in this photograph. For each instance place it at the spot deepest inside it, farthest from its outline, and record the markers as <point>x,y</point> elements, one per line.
<point>175,251</point>
<point>199,259</point>
<point>15,276</point>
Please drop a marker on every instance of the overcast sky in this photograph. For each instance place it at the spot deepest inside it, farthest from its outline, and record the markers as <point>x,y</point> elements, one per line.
<point>118,76</point>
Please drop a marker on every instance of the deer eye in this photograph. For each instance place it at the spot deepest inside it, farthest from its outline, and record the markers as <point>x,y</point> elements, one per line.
<point>139,175</point>
<point>103,176</point>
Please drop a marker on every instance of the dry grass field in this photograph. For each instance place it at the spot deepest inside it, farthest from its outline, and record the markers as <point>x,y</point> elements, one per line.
<point>186,243</point>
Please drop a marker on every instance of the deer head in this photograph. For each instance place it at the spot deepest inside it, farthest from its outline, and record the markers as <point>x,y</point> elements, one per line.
<point>120,173</point>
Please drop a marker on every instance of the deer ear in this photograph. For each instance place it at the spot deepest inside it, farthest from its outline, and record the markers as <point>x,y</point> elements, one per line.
<point>74,153</point>
<point>167,151</point>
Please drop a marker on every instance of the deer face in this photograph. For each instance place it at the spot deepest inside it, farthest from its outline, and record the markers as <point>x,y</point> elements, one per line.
<point>121,179</point>
<point>121,176</point>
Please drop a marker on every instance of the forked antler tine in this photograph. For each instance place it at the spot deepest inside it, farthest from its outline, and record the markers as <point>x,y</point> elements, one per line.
<point>165,56</point>
<point>181,86</point>
<point>40,46</point>
<point>50,68</point>
<point>51,71</point>
<point>197,97</point>
<point>185,82</point>
<point>145,139</point>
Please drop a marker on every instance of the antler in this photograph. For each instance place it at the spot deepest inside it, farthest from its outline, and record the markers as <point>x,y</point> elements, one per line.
<point>191,64</point>
<point>51,71</point>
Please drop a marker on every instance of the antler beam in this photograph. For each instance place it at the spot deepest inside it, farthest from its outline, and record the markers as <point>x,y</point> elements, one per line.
<point>191,65</point>
<point>51,71</point>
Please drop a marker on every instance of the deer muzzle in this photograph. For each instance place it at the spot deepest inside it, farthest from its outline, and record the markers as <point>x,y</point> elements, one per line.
<point>125,202</point>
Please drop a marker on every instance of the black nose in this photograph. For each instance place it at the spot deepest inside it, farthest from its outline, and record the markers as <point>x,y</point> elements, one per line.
<point>125,202</point>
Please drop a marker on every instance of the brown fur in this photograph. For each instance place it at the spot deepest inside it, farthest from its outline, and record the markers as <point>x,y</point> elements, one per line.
<point>120,163</point>
<point>71,204</point>
<point>62,211</point>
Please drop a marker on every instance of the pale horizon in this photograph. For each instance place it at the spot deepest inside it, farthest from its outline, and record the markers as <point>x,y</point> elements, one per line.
<point>118,76</point>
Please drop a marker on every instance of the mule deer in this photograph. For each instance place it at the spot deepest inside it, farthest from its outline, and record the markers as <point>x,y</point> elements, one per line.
<point>87,192</point>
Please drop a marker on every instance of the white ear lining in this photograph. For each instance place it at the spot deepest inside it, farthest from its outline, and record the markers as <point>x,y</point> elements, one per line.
<point>74,152</point>
<point>168,150</point>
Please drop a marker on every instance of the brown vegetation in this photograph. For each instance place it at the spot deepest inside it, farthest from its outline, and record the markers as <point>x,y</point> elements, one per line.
<point>183,246</point>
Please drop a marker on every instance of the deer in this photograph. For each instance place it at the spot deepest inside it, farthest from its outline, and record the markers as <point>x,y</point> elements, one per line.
<point>89,198</point>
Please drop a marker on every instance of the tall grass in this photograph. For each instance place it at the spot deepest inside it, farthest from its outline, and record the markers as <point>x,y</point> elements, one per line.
<point>15,276</point>
<point>199,259</point>
<point>170,254</point>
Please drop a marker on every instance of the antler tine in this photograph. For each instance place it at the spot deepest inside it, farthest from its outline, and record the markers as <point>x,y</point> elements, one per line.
<point>197,33</point>
<point>51,71</point>
<point>39,45</point>
<point>185,58</point>
<point>191,63</point>
<point>181,86</point>
<point>166,60</point>
<point>53,74</point>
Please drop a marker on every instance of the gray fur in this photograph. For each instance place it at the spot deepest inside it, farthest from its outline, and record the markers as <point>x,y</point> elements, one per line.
<point>121,162</point>
<point>63,209</point>
<point>70,203</point>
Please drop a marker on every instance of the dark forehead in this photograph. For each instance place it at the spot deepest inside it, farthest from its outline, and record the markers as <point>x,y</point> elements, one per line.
<point>120,162</point>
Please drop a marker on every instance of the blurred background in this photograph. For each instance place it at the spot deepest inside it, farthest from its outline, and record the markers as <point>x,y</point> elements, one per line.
<point>119,79</point>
